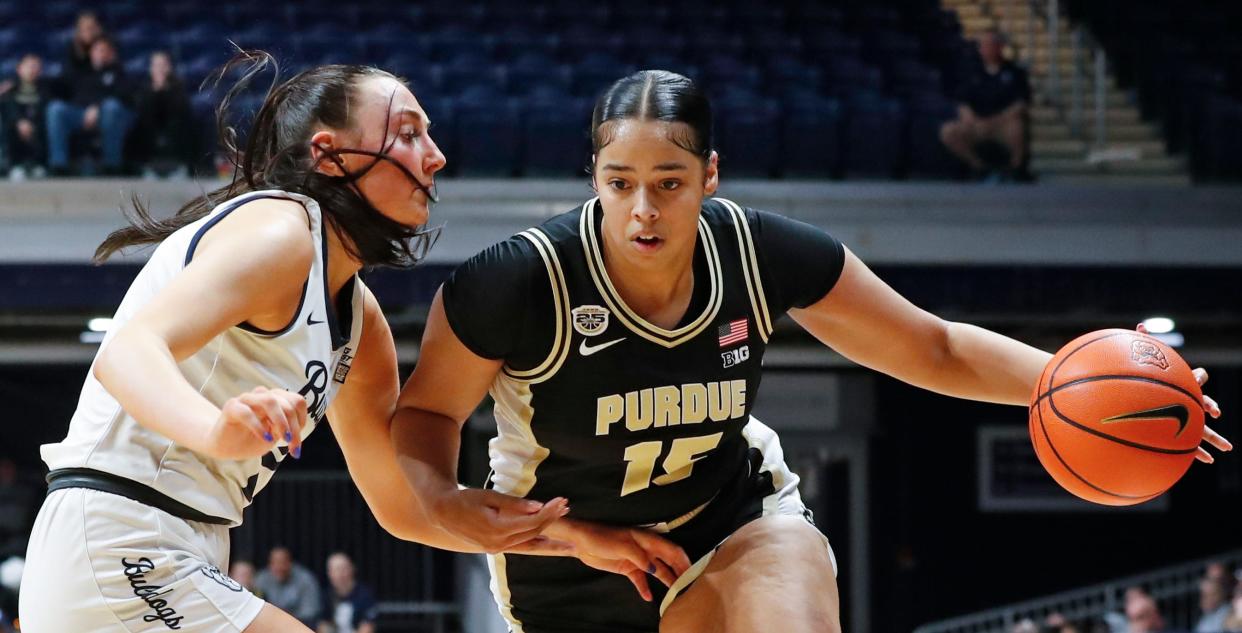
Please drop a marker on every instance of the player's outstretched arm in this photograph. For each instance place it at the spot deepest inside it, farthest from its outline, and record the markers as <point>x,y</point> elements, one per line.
<point>868,322</point>
<point>249,267</point>
<point>361,419</point>
<point>444,389</point>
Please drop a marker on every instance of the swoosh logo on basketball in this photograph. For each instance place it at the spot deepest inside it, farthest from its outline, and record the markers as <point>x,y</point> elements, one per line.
<point>587,350</point>
<point>310,319</point>
<point>1177,412</point>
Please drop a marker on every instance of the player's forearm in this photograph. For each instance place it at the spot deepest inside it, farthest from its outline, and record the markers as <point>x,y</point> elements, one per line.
<point>427,445</point>
<point>138,369</point>
<point>983,365</point>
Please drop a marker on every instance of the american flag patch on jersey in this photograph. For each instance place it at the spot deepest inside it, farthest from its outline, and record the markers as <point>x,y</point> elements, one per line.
<point>733,332</point>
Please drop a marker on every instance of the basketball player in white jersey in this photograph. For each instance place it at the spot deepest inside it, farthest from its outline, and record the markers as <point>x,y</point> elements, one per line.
<point>246,326</point>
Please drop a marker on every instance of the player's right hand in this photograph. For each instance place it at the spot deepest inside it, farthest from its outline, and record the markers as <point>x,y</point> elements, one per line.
<point>493,521</point>
<point>249,425</point>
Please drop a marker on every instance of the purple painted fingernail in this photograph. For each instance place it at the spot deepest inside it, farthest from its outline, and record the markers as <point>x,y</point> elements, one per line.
<point>651,568</point>
<point>288,436</point>
<point>297,452</point>
<point>268,436</point>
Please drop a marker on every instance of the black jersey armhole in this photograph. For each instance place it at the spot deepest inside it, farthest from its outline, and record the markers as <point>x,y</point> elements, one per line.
<point>246,325</point>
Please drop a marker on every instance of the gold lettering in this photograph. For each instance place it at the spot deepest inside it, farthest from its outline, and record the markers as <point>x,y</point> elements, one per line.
<point>738,387</point>
<point>667,412</point>
<point>638,410</point>
<point>608,409</point>
<point>693,403</point>
<point>718,397</point>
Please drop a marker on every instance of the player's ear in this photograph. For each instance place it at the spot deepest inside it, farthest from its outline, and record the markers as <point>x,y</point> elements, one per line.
<point>711,177</point>
<point>322,144</point>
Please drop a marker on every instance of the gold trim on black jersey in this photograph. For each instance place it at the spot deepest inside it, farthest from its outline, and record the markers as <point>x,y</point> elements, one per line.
<point>629,318</point>
<point>560,305</point>
<point>750,268</point>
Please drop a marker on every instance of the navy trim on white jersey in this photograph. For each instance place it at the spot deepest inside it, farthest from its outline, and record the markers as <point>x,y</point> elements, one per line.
<point>245,325</point>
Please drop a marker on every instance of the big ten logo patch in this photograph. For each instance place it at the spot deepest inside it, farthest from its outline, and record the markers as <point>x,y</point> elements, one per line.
<point>590,320</point>
<point>342,365</point>
<point>735,357</point>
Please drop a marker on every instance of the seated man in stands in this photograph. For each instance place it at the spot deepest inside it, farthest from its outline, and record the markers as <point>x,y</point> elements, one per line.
<point>1142,616</point>
<point>22,104</point>
<point>98,100</point>
<point>348,606</point>
<point>1214,603</point>
<point>992,109</point>
<point>290,586</point>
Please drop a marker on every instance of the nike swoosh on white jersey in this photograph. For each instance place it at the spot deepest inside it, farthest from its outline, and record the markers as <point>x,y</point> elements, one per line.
<point>587,350</point>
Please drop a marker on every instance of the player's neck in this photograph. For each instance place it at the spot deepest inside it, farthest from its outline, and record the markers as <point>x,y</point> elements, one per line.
<point>659,294</point>
<point>341,265</point>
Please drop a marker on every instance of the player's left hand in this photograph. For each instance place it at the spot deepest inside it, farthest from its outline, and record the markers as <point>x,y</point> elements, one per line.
<point>631,552</point>
<point>1212,409</point>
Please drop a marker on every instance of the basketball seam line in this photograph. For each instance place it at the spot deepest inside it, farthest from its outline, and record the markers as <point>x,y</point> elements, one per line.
<point>1044,428</point>
<point>1079,381</point>
<point>1052,378</point>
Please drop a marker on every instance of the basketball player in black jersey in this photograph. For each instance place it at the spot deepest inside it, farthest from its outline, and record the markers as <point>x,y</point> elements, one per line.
<point>622,343</point>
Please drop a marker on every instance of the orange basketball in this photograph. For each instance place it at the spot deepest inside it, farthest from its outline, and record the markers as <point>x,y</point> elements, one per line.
<point>1116,417</point>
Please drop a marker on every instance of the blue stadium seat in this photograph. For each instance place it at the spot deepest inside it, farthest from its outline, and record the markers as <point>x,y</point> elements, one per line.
<point>458,75</point>
<point>61,13</point>
<point>827,46</point>
<point>744,135</point>
<point>846,75</point>
<point>873,135</point>
<point>928,156</point>
<point>488,138</point>
<point>790,76</point>
<point>674,63</point>
<point>534,71</point>
<point>555,134</point>
<point>596,72</point>
<point>722,74</point>
<point>810,136</point>
<point>910,76</point>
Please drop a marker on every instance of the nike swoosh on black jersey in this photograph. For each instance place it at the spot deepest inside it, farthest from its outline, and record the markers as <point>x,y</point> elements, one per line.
<point>1177,412</point>
<point>587,350</point>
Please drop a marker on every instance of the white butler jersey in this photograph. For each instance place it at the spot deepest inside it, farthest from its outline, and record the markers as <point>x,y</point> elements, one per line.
<point>311,356</point>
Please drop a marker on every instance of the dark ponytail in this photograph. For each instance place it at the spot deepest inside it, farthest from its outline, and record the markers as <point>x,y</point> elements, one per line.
<point>278,156</point>
<point>656,95</point>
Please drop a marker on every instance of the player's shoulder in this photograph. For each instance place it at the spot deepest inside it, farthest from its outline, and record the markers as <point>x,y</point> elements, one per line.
<point>265,231</point>
<point>724,212</point>
<point>566,227</point>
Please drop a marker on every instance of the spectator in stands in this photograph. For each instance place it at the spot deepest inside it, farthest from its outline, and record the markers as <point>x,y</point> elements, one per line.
<point>162,141</point>
<point>1025,625</point>
<point>242,571</point>
<point>290,586</point>
<point>22,106</point>
<point>992,110</point>
<point>97,102</point>
<point>1142,616</point>
<point>1219,572</point>
<point>86,30</point>
<point>1233,623</point>
<point>1214,605</point>
<point>348,606</point>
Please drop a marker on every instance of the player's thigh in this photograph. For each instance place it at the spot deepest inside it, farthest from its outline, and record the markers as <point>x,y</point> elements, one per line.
<point>128,567</point>
<point>273,620</point>
<point>774,569</point>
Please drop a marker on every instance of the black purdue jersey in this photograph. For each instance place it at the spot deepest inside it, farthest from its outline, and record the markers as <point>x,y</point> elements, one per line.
<point>633,423</point>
